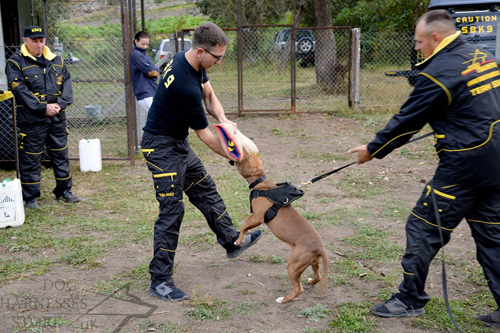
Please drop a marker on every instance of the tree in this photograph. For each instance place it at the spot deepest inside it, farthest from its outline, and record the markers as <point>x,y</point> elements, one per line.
<point>374,15</point>
<point>326,48</point>
<point>224,12</point>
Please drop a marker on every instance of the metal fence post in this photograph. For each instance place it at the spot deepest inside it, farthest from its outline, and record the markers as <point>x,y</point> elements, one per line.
<point>355,67</point>
<point>130,104</point>
<point>239,38</point>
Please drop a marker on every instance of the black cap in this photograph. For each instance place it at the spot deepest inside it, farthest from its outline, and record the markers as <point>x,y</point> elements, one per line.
<point>33,31</point>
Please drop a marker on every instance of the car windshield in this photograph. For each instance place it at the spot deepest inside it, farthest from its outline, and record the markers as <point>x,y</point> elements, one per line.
<point>187,45</point>
<point>298,34</point>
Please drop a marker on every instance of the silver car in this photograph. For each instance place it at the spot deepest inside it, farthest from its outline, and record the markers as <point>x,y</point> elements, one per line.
<point>166,49</point>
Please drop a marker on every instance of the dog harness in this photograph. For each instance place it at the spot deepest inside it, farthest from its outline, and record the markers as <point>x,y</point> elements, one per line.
<point>281,195</point>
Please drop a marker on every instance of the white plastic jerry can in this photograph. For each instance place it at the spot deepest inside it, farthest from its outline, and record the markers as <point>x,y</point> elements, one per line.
<point>11,203</point>
<point>90,155</point>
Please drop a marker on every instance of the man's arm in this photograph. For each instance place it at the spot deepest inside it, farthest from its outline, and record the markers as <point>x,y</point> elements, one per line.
<point>426,102</point>
<point>211,140</point>
<point>142,63</point>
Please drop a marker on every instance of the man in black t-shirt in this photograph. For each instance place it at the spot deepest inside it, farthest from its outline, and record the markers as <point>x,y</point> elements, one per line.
<point>178,106</point>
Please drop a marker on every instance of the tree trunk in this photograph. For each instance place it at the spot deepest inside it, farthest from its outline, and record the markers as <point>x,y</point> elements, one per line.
<point>326,48</point>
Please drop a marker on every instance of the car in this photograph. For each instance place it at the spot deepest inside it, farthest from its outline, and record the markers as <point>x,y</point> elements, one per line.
<point>305,44</point>
<point>166,49</point>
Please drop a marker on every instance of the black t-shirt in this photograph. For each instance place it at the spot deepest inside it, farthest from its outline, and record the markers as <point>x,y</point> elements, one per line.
<point>177,104</point>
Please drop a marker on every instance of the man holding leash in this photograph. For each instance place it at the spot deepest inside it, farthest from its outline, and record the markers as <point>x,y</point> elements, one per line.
<point>41,85</point>
<point>458,94</point>
<point>177,107</point>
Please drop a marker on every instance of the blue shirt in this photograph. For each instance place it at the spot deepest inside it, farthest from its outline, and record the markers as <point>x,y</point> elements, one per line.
<point>140,65</point>
<point>178,102</point>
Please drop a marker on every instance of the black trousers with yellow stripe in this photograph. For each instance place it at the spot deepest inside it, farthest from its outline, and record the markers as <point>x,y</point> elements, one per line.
<point>176,170</point>
<point>481,209</point>
<point>54,135</point>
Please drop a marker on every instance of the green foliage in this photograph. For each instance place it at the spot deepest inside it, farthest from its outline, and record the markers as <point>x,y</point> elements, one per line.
<point>314,314</point>
<point>275,259</point>
<point>162,27</point>
<point>246,308</point>
<point>372,15</point>
<point>353,318</point>
<point>256,258</point>
<point>207,309</point>
<point>223,12</point>
<point>437,316</point>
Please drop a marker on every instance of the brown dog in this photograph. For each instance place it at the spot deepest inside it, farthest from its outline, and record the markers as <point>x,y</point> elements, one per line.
<point>288,225</point>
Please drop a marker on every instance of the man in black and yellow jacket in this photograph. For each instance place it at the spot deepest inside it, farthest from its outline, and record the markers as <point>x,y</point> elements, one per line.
<point>458,94</point>
<point>42,89</point>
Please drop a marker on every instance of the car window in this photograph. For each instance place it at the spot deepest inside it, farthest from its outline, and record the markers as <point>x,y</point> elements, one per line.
<point>187,44</point>
<point>285,35</point>
<point>166,46</point>
<point>303,33</point>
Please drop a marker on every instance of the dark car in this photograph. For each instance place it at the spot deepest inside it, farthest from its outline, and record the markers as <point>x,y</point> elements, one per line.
<point>305,44</point>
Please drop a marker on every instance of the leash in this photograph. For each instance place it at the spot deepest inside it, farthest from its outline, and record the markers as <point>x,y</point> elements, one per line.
<point>314,180</point>
<point>443,270</point>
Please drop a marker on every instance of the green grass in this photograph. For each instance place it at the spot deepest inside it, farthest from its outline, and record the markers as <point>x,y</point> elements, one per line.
<point>353,317</point>
<point>275,259</point>
<point>246,308</point>
<point>314,314</point>
<point>374,244</point>
<point>437,317</point>
<point>207,309</point>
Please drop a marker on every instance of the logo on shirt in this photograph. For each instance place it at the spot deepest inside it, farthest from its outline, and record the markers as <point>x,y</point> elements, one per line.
<point>479,63</point>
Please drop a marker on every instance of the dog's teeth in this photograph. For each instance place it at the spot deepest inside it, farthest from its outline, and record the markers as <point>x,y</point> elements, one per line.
<point>279,299</point>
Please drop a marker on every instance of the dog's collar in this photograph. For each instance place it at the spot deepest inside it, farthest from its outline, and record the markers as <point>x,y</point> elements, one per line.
<point>257,182</point>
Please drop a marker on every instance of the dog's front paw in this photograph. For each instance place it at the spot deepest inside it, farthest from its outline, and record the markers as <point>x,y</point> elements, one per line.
<point>279,300</point>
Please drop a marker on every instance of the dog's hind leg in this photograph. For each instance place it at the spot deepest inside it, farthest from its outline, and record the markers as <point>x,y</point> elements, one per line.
<point>315,268</point>
<point>297,264</point>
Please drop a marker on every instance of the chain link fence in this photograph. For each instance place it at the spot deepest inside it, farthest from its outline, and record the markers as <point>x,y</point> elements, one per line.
<point>90,40</point>
<point>269,80</point>
<point>318,79</point>
<point>383,52</point>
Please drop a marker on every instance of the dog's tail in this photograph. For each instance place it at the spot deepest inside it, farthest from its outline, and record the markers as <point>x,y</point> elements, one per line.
<point>324,281</point>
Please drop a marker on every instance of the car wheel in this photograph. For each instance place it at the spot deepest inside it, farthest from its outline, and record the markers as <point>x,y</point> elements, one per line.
<point>304,45</point>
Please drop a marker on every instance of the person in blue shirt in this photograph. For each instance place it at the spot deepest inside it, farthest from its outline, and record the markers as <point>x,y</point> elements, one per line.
<point>177,106</point>
<point>144,78</point>
<point>144,72</point>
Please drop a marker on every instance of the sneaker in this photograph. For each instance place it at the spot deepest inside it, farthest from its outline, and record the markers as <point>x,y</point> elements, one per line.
<point>167,291</point>
<point>68,197</point>
<point>394,307</point>
<point>32,204</point>
<point>491,319</point>
<point>249,240</point>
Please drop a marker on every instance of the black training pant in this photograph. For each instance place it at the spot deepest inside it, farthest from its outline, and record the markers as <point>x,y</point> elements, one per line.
<point>32,139</point>
<point>479,206</point>
<point>177,169</point>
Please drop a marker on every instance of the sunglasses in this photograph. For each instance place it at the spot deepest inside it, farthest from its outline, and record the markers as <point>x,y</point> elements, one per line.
<point>217,58</point>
